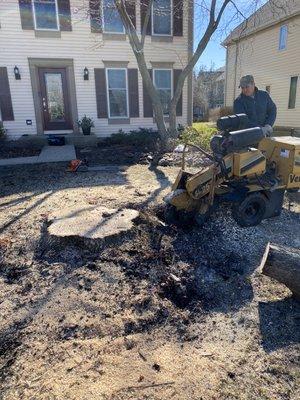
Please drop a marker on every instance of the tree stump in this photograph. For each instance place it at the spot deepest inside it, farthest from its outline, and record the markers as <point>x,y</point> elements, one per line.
<point>91,226</point>
<point>283,264</point>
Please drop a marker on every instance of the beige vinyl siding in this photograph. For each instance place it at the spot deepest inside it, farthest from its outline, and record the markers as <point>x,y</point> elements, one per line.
<point>230,75</point>
<point>259,55</point>
<point>87,50</point>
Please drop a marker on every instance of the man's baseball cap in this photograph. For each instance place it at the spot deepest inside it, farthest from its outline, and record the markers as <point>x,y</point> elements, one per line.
<point>246,81</point>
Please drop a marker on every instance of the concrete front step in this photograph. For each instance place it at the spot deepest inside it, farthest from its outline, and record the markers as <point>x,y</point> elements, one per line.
<point>57,153</point>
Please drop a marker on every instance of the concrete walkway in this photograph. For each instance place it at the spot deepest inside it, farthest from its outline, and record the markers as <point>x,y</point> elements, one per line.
<point>47,155</point>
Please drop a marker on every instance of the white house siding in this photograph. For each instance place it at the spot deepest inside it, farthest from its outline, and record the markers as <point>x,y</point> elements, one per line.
<point>87,50</point>
<point>258,55</point>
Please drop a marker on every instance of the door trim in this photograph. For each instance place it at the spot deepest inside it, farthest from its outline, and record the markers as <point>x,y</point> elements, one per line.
<point>34,65</point>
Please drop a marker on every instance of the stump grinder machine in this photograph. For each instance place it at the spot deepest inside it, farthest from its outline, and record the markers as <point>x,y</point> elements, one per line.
<point>249,171</point>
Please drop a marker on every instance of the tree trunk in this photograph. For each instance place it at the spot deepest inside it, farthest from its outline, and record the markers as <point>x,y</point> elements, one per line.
<point>283,264</point>
<point>173,122</point>
<point>137,46</point>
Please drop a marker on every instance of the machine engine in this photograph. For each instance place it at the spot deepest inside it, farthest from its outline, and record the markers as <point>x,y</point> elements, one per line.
<point>233,136</point>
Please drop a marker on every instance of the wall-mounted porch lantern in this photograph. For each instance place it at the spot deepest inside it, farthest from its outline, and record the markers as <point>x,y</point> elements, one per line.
<point>86,74</point>
<point>17,73</point>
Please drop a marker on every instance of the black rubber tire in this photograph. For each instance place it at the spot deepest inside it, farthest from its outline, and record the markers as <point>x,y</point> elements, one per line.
<point>176,217</point>
<point>250,211</point>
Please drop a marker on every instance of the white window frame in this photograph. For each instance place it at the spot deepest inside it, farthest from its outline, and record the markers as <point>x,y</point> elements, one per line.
<point>103,23</point>
<point>172,82</point>
<point>45,29</point>
<point>107,92</point>
<point>280,37</point>
<point>152,23</point>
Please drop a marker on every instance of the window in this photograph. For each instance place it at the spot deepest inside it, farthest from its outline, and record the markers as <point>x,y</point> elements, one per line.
<point>111,18</point>
<point>117,92</point>
<point>162,17</point>
<point>283,37</point>
<point>45,14</point>
<point>163,83</point>
<point>293,92</point>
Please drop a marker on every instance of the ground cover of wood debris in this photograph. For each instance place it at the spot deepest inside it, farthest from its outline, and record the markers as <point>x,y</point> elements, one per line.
<point>162,314</point>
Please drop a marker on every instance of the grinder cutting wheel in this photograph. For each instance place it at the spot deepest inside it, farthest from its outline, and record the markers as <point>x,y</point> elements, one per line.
<point>248,170</point>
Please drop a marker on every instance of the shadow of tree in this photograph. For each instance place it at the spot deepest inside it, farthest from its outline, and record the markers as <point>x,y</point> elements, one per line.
<point>279,323</point>
<point>54,177</point>
<point>163,182</point>
<point>25,212</point>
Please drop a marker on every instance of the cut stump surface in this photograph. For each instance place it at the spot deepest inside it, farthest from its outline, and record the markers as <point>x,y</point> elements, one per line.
<point>91,222</point>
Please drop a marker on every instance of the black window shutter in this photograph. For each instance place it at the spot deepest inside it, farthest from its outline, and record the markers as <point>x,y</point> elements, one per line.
<point>130,8</point>
<point>148,107</point>
<point>145,4</point>
<point>133,92</point>
<point>26,14</point>
<point>177,17</point>
<point>5,96</point>
<point>64,13</point>
<point>96,16</point>
<point>176,74</point>
<point>101,97</point>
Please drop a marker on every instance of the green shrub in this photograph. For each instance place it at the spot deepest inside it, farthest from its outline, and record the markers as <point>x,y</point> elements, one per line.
<point>200,134</point>
<point>146,138</point>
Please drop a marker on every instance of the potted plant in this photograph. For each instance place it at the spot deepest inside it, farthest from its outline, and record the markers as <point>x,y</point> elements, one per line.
<point>86,123</point>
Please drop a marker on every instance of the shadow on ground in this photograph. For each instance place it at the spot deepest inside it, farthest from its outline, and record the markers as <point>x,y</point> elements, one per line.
<point>279,323</point>
<point>53,177</point>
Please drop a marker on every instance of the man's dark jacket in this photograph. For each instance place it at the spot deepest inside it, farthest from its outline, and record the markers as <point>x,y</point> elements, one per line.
<point>261,109</point>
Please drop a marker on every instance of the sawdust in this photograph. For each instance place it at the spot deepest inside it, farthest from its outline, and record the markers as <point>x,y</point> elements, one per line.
<point>167,314</point>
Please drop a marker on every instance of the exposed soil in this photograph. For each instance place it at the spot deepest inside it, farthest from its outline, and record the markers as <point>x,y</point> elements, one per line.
<point>106,154</point>
<point>163,314</point>
<point>131,155</point>
<point>11,151</point>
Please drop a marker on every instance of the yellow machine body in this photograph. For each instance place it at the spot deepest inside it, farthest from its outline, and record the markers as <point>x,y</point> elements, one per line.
<point>247,163</point>
<point>284,153</point>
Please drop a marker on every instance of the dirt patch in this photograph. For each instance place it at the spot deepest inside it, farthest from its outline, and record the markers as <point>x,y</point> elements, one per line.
<point>168,313</point>
<point>10,151</point>
<point>106,155</point>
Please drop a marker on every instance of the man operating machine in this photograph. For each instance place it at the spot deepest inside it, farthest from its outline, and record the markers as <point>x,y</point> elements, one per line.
<point>257,105</point>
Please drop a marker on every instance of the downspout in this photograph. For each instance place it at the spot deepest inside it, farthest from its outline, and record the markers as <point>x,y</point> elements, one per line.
<point>226,77</point>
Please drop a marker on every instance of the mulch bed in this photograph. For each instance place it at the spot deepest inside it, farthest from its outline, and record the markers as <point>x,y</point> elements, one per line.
<point>14,152</point>
<point>115,154</point>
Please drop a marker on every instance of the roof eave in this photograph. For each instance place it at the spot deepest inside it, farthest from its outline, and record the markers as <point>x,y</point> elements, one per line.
<point>231,40</point>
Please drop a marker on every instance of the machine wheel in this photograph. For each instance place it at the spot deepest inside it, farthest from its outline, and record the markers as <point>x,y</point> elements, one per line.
<point>251,211</point>
<point>177,217</point>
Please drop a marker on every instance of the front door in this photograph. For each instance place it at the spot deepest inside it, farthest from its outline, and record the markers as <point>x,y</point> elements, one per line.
<point>55,99</point>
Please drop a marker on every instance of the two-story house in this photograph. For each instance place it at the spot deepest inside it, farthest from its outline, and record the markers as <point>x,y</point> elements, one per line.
<point>62,59</point>
<point>267,46</point>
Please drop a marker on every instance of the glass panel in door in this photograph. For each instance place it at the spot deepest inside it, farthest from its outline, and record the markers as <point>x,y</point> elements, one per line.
<point>55,97</point>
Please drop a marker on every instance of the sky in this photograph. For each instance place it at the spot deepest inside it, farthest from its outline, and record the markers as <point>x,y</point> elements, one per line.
<point>215,53</point>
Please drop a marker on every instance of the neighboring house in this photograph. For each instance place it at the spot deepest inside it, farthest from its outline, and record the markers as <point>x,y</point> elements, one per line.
<point>267,46</point>
<point>62,59</point>
<point>208,91</point>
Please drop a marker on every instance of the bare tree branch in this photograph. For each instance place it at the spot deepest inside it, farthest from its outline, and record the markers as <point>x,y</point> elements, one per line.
<point>146,22</point>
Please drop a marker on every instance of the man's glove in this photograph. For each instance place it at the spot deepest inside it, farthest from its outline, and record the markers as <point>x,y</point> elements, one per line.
<point>267,130</point>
